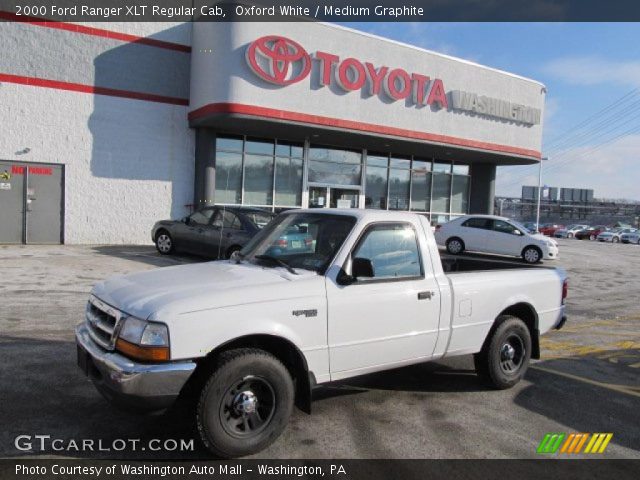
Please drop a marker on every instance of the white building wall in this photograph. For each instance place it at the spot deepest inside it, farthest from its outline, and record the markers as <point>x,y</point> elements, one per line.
<point>128,162</point>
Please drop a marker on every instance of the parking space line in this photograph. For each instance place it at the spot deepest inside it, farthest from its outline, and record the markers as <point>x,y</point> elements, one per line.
<point>608,386</point>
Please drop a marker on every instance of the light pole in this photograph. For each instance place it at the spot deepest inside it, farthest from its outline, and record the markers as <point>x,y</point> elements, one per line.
<point>539,192</point>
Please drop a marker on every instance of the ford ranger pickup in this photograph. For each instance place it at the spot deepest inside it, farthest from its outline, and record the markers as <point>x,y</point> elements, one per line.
<point>253,335</point>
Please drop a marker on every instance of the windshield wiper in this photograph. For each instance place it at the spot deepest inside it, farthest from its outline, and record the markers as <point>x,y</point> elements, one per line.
<point>277,261</point>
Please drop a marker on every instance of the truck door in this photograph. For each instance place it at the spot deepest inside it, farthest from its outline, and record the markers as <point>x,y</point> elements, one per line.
<point>391,317</point>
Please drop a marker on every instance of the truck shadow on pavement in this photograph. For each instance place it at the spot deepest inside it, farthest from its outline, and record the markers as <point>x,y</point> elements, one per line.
<point>44,393</point>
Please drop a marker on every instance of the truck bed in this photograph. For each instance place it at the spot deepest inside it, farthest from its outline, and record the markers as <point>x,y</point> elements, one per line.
<point>452,264</point>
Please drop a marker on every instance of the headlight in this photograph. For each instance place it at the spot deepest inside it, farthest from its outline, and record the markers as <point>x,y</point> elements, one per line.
<point>133,329</point>
<point>142,340</point>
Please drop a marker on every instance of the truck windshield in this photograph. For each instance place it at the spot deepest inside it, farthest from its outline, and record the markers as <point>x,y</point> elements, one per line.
<point>302,240</point>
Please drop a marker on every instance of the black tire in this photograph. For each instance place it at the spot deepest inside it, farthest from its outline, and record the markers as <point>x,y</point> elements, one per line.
<point>569,235</point>
<point>615,240</point>
<point>241,376</point>
<point>510,338</point>
<point>531,254</point>
<point>231,250</point>
<point>455,246</point>
<point>164,242</point>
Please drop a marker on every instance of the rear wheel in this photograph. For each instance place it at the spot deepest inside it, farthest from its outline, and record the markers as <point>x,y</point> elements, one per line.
<point>592,237</point>
<point>504,358</point>
<point>246,404</point>
<point>164,242</point>
<point>532,254</point>
<point>455,246</point>
<point>615,240</point>
<point>569,235</point>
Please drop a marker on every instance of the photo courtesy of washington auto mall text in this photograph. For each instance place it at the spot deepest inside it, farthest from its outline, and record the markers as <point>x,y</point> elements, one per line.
<point>360,240</point>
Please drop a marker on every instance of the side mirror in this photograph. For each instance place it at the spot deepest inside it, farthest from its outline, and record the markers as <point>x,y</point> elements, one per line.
<point>362,268</point>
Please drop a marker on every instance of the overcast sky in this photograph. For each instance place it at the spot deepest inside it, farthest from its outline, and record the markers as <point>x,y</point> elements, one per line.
<point>586,67</point>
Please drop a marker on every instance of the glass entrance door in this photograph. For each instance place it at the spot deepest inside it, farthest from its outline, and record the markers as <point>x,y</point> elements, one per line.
<point>329,197</point>
<point>343,198</point>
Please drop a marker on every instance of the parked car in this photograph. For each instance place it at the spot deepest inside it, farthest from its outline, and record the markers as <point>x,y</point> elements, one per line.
<point>631,237</point>
<point>253,335</point>
<point>497,235</point>
<point>531,226</point>
<point>215,231</point>
<point>591,233</point>
<point>570,231</point>
<point>549,229</point>
<point>614,236</point>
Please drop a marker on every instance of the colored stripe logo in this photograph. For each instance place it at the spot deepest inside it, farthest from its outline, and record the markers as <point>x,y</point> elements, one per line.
<point>574,443</point>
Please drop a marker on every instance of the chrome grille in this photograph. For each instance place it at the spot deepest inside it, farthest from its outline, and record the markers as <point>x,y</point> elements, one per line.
<point>103,321</point>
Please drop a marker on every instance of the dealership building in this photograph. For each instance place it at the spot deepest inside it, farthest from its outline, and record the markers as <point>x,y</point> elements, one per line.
<point>108,127</point>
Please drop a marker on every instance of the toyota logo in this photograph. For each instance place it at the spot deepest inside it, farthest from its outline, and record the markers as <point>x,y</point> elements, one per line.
<point>278,60</point>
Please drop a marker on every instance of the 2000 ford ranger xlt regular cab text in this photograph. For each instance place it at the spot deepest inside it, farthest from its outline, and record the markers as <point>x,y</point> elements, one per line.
<point>253,335</point>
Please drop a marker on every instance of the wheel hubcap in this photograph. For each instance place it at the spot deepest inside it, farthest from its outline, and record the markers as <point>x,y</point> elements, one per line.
<point>531,255</point>
<point>164,243</point>
<point>455,246</point>
<point>245,403</point>
<point>512,355</point>
<point>247,407</point>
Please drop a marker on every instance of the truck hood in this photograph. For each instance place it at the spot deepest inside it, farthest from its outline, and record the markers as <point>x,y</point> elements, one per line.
<point>156,293</point>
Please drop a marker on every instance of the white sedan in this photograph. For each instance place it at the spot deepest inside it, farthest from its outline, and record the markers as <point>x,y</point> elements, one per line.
<point>614,236</point>
<point>497,235</point>
<point>633,237</point>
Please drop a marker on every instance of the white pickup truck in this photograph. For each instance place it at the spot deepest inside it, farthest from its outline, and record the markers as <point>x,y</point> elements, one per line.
<point>316,296</point>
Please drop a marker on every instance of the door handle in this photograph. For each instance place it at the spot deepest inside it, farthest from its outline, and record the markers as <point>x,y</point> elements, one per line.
<point>426,295</point>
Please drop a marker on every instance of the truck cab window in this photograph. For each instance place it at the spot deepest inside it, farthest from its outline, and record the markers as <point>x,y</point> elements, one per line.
<point>392,249</point>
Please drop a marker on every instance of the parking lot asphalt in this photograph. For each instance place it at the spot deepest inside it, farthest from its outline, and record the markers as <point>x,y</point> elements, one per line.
<point>588,379</point>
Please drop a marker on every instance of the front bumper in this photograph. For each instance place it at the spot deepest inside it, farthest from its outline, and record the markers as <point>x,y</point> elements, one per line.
<point>127,383</point>
<point>550,253</point>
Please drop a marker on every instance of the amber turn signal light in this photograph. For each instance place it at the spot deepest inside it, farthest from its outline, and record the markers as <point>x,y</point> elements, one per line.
<point>140,352</point>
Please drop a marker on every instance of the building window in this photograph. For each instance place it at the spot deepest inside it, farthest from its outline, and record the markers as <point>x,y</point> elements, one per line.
<point>229,177</point>
<point>421,185</point>
<point>289,168</point>
<point>333,166</point>
<point>376,186</point>
<point>441,187</point>
<point>460,189</point>
<point>258,179</point>
<point>399,180</point>
<point>258,172</point>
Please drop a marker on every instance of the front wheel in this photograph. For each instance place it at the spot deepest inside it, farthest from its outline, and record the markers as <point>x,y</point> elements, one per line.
<point>615,240</point>
<point>164,242</point>
<point>455,246</point>
<point>532,255</point>
<point>592,237</point>
<point>569,235</point>
<point>504,358</point>
<point>246,404</point>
